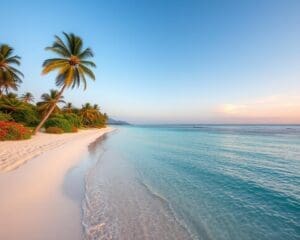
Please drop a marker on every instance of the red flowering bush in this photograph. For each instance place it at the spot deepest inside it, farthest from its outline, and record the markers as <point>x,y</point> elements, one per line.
<point>13,131</point>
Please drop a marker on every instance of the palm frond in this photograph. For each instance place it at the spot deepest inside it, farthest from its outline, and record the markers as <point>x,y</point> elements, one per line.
<point>14,60</point>
<point>87,71</point>
<point>50,65</point>
<point>89,63</point>
<point>86,54</point>
<point>10,77</point>
<point>74,66</point>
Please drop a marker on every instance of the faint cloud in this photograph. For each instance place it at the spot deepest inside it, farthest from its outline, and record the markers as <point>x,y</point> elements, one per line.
<point>275,109</point>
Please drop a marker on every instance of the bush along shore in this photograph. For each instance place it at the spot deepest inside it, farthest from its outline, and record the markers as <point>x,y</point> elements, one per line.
<point>20,116</point>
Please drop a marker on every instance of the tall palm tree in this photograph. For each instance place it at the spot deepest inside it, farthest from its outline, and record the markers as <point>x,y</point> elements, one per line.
<point>48,101</point>
<point>10,77</point>
<point>27,97</point>
<point>68,108</point>
<point>72,65</point>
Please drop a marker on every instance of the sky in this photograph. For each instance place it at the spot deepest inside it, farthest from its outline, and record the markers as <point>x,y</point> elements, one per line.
<point>171,61</point>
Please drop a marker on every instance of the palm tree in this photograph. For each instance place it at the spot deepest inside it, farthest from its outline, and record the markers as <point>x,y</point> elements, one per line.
<point>72,66</point>
<point>48,101</point>
<point>97,112</point>
<point>11,95</point>
<point>27,97</point>
<point>68,108</point>
<point>87,113</point>
<point>96,107</point>
<point>10,77</point>
<point>10,105</point>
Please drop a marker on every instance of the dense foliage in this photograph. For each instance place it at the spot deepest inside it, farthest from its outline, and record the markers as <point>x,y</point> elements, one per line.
<point>5,117</point>
<point>55,130</point>
<point>62,123</point>
<point>13,131</point>
<point>72,118</point>
<point>13,109</point>
<point>48,101</point>
<point>91,116</point>
<point>19,111</point>
<point>74,66</point>
<point>68,118</point>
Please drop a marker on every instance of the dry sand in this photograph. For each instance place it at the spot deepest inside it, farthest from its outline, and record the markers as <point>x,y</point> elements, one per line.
<point>33,204</point>
<point>15,153</point>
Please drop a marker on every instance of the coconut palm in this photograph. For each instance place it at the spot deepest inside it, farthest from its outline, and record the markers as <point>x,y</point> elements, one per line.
<point>48,101</point>
<point>72,65</point>
<point>27,97</point>
<point>68,108</point>
<point>10,105</point>
<point>96,107</point>
<point>97,112</point>
<point>8,84</point>
<point>87,113</point>
<point>10,77</point>
<point>11,95</point>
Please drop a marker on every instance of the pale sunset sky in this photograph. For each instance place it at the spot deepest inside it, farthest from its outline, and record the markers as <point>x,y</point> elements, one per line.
<point>170,61</point>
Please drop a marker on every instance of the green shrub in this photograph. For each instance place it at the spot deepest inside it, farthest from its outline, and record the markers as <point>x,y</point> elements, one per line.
<point>5,117</point>
<point>60,123</point>
<point>28,116</point>
<point>13,131</point>
<point>57,115</point>
<point>55,130</point>
<point>73,119</point>
<point>98,123</point>
<point>20,112</point>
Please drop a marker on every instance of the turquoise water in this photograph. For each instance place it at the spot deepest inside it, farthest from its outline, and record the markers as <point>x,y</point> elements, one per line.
<point>195,182</point>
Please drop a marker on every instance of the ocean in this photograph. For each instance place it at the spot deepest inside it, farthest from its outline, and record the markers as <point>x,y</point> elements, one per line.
<point>229,182</point>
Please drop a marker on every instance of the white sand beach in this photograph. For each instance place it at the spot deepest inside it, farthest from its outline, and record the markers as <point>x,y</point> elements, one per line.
<point>32,203</point>
<point>15,153</point>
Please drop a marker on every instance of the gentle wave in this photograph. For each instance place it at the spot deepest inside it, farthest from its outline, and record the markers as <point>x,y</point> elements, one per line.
<point>206,182</point>
<point>169,207</point>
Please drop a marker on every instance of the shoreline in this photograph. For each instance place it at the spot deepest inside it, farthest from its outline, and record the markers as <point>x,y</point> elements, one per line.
<point>15,153</point>
<point>34,204</point>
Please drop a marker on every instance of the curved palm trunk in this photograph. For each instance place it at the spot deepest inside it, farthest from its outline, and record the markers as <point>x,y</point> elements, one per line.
<point>49,112</point>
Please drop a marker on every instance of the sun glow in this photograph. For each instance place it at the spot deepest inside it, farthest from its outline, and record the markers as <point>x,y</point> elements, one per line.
<point>277,109</point>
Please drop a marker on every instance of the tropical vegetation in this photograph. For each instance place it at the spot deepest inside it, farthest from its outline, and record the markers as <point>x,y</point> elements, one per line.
<point>21,116</point>
<point>72,64</point>
<point>10,76</point>
<point>27,97</point>
<point>13,131</point>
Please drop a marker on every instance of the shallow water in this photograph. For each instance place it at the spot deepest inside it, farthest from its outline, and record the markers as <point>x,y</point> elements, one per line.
<point>194,182</point>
